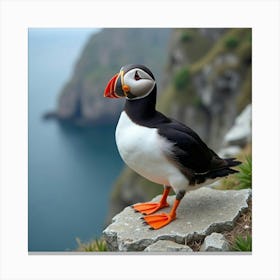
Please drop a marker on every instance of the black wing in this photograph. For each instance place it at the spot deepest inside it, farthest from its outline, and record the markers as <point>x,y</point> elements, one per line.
<point>189,150</point>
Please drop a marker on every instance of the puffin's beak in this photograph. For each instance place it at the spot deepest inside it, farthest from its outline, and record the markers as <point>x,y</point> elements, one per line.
<point>110,90</point>
<point>116,87</point>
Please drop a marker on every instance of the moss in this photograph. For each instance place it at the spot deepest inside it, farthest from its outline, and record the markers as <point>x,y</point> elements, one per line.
<point>231,42</point>
<point>182,79</point>
<point>187,36</point>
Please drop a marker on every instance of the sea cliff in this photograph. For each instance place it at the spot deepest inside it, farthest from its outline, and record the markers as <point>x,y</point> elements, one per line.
<point>203,76</point>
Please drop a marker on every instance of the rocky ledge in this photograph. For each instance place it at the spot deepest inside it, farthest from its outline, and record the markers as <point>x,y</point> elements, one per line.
<point>201,213</point>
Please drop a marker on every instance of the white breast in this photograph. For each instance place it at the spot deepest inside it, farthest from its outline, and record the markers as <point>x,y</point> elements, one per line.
<point>142,149</point>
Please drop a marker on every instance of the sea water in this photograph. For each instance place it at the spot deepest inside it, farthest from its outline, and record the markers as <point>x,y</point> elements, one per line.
<point>71,169</point>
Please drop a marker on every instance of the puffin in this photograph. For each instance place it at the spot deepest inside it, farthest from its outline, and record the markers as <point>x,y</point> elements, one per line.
<point>161,149</point>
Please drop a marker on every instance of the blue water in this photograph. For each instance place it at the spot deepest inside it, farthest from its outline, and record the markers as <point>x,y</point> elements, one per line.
<point>70,169</point>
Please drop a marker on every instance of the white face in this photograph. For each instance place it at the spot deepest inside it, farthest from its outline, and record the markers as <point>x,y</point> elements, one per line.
<point>140,83</point>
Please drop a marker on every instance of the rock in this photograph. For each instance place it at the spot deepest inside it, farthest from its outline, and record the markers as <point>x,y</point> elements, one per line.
<point>200,213</point>
<point>50,115</point>
<point>230,151</point>
<point>240,133</point>
<point>215,242</point>
<point>167,246</point>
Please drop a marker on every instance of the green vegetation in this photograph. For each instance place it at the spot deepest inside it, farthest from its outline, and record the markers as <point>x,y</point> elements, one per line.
<point>245,174</point>
<point>187,36</point>
<point>202,52</point>
<point>231,42</point>
<point>182,79</point>
<point>98,245</point>
<point>241,180</point>
<point>242,244</point>
<point>234,40</point>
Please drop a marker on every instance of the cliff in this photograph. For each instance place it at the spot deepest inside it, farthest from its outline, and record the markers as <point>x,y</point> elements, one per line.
<point>81,100</point>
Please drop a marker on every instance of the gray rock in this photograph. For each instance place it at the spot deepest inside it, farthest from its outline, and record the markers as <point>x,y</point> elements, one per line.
<point>200,213</point>
<point>167,246</point>
<point>215,242</point>
<point>229,151</point>
<point>241,133</point>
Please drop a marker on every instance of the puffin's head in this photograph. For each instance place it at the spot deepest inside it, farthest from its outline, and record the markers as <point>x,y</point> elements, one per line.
<point>133,82</point>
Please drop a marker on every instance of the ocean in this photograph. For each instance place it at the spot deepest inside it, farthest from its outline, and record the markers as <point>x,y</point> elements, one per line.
<point>71,169</point>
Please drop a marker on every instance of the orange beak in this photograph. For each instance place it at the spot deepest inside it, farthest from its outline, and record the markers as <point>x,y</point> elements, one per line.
<point>110,90</point>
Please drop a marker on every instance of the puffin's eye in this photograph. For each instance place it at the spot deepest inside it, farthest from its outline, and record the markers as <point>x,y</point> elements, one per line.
<point>136,76</point>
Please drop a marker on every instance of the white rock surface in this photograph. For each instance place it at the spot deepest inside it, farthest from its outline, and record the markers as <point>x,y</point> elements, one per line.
<point>167,246</point>
<point>200,213</point>
<point>230,151</point>
<point>214,242</point>
<point>241,131</point>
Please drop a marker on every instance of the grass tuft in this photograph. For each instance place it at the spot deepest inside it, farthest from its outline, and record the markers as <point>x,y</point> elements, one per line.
<point>245,174</point>
<point>243,244</point>
<point>98,245</point>
<point>241,180</point>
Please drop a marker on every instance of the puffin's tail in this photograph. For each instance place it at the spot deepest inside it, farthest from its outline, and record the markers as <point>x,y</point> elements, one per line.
<point>219,172</point>
<point>232,162</point>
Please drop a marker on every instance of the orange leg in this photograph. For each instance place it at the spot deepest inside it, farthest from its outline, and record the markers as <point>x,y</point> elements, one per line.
<point>162,219</point>
<point>151,207</point>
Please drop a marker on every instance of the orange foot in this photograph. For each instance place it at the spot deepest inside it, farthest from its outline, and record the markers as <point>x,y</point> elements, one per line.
<point>158,220</point>
<point>149,207</point>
